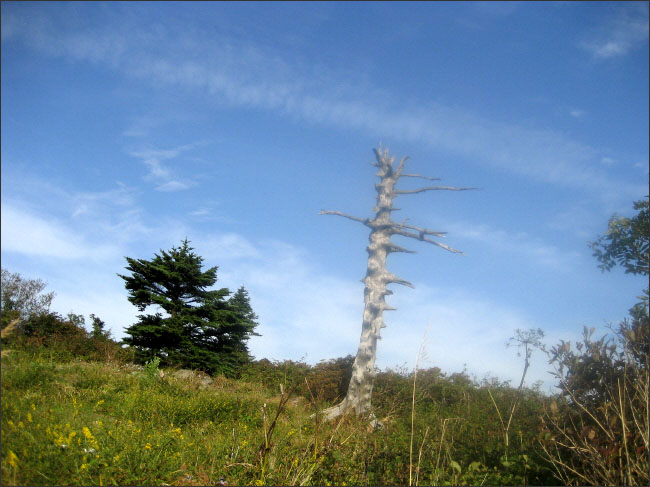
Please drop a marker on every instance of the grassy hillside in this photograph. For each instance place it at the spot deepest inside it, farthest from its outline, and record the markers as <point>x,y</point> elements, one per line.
<point>70,422</point>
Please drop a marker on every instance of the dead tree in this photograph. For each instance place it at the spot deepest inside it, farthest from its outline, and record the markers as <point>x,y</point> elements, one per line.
<point>382,228</point>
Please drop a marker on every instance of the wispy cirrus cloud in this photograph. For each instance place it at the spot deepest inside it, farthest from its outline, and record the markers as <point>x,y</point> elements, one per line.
<point>240,74</point>
<point>627,30</point>
<point>517,243</point>
<point>159,172</point>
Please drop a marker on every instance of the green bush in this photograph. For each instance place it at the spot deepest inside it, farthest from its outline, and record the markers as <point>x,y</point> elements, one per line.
<point>329,379</point>
<point>64,340</point>
<point>20,375</point>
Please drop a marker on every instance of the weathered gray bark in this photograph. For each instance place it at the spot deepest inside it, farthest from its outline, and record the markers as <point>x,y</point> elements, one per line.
<point>382,228</point>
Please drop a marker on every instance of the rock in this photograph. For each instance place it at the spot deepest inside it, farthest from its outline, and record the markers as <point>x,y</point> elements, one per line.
<point>203,380</point>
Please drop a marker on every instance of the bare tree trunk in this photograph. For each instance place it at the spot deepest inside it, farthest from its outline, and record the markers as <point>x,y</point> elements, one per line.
<point>382,228</point>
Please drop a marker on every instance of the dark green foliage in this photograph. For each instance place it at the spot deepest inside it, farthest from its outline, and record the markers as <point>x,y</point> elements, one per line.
<point>51,325</point>
<point>597,432</point>
<point>31,375</point>
<point>62,338</point>
<point>626,242</point>
<point>463,444</point>
<point>240,304</point>
<point>329,379</point>
<point>202,329</point>
<point>600,426</point>
<point>98,332</point>
<point>272,374</point>
<point>325,382</point>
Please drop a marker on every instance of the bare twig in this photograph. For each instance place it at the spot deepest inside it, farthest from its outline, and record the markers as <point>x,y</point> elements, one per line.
<point>431,188</point>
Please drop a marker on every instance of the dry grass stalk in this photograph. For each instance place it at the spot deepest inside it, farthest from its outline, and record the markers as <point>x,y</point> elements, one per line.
<point>605,445</point>
<point>420,356</point>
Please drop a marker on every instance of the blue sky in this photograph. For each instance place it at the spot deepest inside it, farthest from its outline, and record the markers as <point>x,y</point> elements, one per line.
<point>129,126</point>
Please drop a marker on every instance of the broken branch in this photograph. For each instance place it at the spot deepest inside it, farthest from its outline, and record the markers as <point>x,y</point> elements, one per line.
<point>429,188</point>
<point>422,231</point>
<point>421,236</point>
<point>338,213</point>
<point>418,176</point>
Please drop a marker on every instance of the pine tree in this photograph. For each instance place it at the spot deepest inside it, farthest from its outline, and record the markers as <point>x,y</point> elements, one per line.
<point>98,329</point>
<point>200,328</point>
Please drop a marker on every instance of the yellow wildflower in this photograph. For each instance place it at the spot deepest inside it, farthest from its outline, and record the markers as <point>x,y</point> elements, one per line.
<point>33,406</point>
<point>147,446</point>
<point>84,466</point>
<point>21,424</point>
<point>13,459</point>
<point>29,417</point>
<point>87,432</point>
<point>10,423</point>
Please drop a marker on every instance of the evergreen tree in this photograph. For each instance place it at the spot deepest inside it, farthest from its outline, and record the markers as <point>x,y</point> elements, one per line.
<point>200,328</point>
<point>98,330</point>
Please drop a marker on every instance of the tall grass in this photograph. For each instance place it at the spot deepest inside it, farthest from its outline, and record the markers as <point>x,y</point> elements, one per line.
<point>95,423</point>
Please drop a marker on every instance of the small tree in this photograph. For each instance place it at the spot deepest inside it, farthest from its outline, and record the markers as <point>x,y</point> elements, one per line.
<point>597,432</point>
<point>98,330</point>
<point>625,242</point>
<point>22,297</point>
<point>201,328</point>
<point>382,228</point>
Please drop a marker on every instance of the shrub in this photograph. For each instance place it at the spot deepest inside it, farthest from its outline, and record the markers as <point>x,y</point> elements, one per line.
<point>328,380</point>
<point>597,431</point>
<point>65,340</point>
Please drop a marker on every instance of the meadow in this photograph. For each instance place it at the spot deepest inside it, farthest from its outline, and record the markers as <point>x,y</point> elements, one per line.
<point>68,421</point>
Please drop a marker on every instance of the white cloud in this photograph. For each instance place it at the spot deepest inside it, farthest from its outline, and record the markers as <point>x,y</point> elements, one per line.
<point>304,311</point>
<point>26,233</point>
<point>577,113</point>
<point>171,186</point>
<point>158,172</point>
<point>254,76</point>
<point>226,247</point>
<point>518,243</point>
<point>307,313</point>
<point>463,332</point>
<point>201,212</point>
<point>607,161</point>
<point>623,33</point>
<point>643,166</point>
